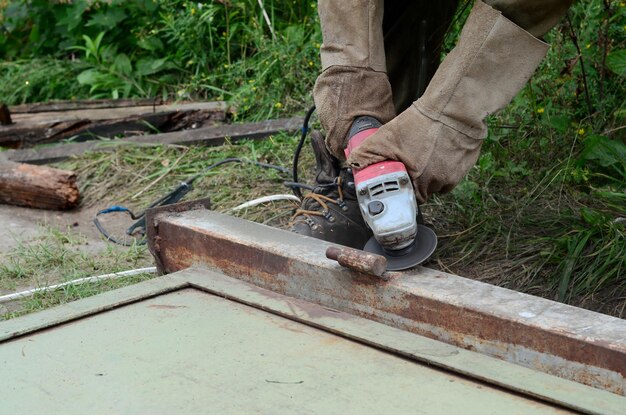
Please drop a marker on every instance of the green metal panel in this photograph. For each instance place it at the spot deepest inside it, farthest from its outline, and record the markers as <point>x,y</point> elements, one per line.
<point>192,352</point>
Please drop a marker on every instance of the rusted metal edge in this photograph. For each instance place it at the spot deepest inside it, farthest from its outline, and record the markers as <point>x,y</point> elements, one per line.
<point>152,222</point>
<point>209,136</point>
<point>572,343</point>
<point>527,382</point>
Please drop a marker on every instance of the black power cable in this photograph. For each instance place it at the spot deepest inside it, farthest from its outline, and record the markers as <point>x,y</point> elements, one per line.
<point>295,186</point>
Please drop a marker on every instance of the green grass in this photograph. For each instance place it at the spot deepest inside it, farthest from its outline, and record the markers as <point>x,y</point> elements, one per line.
<point>39,80</point>
<point>60,255</point>
<point>56,255</point>
<point>136,176</point>
<point>44,300</point>
<point>175,49</point>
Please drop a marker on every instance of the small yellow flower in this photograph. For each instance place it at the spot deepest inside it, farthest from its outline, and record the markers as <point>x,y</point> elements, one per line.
<point>540,110</point>
<point>226,65</point>
<point>27,82</point>
<point>581,131</point>
<point>254,88</point>
<point>588,45</point>
<point>317,45</point>
<point>278,105</point>
<point>310,63</point>
<point>193,11</point>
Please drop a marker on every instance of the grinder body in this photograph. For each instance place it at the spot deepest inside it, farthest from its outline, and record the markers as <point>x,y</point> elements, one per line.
<point>385,194</point>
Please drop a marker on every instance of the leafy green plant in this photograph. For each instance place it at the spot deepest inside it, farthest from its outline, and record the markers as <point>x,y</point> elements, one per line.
<point>176,48</point>
<point>112,74</point>
<point>607,156</point>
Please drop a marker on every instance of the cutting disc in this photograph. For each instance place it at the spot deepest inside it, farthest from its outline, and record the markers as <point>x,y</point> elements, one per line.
<point>419,251</point>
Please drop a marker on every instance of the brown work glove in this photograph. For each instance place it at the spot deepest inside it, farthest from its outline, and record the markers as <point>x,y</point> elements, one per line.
<point>436,156</point>
<point>438,138</point>
<point>343,93</point>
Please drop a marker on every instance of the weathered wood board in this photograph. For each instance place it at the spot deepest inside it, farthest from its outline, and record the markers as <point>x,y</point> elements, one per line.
<point>83,104</point>
<point>209,136</point>
<point>55,123</point>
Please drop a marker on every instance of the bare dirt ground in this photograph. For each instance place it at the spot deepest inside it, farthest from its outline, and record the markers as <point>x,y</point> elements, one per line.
<point>24,224</point>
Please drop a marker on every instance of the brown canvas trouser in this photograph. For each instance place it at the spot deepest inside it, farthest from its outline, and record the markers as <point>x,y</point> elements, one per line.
<point>379,56</point>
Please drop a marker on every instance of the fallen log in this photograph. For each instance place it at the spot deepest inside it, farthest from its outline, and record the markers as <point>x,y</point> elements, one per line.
<point>37,186</point>
<point>208,136</point>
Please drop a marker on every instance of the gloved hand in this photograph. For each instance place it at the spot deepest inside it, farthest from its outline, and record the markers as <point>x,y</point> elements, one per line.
<point>436,155</point>
<point>343,93</point>
<point>438,138</point>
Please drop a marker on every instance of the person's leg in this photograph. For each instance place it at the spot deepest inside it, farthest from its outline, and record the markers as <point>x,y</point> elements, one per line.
<point>353,81</point>
<point>413,32</point>
<point>439,137</point>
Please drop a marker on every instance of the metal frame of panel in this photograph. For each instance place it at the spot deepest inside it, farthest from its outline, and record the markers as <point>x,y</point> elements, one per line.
<point>558,339</point>
<point>520,380</point>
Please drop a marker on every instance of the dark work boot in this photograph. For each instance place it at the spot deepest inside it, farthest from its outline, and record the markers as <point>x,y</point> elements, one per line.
<point>331,211</point>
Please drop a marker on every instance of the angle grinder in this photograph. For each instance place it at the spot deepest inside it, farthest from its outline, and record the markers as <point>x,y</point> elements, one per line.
<point>387,203</point>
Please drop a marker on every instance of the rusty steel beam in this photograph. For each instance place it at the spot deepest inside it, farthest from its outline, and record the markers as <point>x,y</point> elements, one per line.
<point>572,343</point>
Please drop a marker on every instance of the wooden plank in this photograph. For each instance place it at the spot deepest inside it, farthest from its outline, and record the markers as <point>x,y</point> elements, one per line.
<point>83,104</point>
<point>85,124</point>
<point>209,136</point>
<point>98,114</point>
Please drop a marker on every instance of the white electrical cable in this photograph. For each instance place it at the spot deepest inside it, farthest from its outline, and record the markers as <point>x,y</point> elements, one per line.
<point>264,199</point>
<point>28,293</point>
